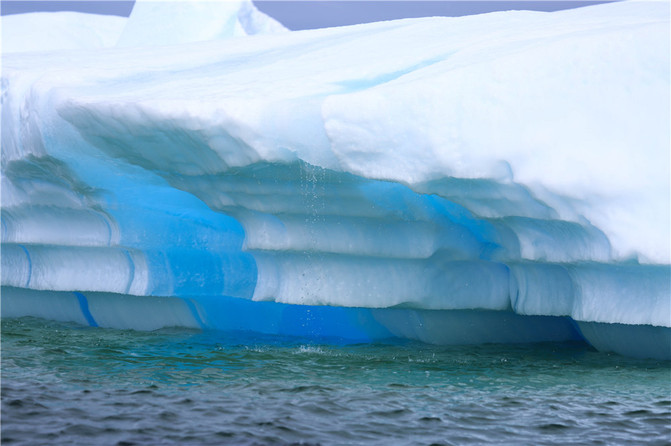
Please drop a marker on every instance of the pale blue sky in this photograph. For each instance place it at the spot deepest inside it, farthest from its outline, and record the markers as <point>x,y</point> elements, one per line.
<point>318,14</point>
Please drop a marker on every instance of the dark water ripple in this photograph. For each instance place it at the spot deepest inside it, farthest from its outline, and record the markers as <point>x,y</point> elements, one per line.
<point>63,384</point>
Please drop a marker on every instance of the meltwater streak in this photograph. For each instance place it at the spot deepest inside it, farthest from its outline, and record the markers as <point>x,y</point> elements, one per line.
<point>186,387</point>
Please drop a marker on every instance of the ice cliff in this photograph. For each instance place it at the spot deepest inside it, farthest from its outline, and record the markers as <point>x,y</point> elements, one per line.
<point>501,177</point>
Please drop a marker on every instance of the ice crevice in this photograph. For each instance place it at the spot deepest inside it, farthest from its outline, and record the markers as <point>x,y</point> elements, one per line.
<point>495,178</point>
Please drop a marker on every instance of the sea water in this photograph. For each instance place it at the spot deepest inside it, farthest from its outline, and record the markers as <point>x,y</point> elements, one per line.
<point>66,384</point>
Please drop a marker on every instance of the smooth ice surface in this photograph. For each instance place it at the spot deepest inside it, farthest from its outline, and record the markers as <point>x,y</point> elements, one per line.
<point>168,23</point>
<point>150,23</point>
<point>513,162</point>
<point>49,31</point>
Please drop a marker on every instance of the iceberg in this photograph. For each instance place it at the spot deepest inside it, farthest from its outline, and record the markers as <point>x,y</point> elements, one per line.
<point>494,178</point>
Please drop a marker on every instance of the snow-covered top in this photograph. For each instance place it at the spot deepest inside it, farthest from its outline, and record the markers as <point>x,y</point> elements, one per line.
<point>573,105</point>
<point>150,23</point>
<point>173,22</point>
<point>49,31</point>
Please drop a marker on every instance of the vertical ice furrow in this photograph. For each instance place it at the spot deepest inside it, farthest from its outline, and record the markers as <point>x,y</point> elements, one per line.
<point>84,306</point>
<point>30,265</point>
<point>131,271</point>
<point>111,239</point>
<point>16,265</point>
<point>194,312</point>
<point>541,289</point>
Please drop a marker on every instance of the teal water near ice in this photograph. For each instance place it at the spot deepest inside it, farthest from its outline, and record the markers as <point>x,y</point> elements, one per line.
<point>66,384</point>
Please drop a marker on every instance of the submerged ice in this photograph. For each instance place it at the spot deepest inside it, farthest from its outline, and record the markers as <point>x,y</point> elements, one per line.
<point>512,168</point>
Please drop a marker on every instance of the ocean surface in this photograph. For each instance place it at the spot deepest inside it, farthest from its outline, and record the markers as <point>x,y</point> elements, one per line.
<point>66,384</point>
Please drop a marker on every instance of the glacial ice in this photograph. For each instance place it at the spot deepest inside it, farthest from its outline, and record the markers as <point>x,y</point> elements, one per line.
<point>493,178</point>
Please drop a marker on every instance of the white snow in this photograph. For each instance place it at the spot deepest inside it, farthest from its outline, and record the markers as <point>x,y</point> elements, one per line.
<point>174,22</point>
<point>66,30</point>
<point>150,23</point>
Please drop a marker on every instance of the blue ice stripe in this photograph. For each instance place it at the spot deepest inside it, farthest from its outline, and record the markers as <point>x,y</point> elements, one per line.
<point>30,265</point>
<point>194,312</point>
<point>131,267</point>
<point>109,229</point>
<point>84,306</point>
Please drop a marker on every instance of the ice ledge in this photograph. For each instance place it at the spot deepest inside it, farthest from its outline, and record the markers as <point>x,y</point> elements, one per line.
<point>339,324</point>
